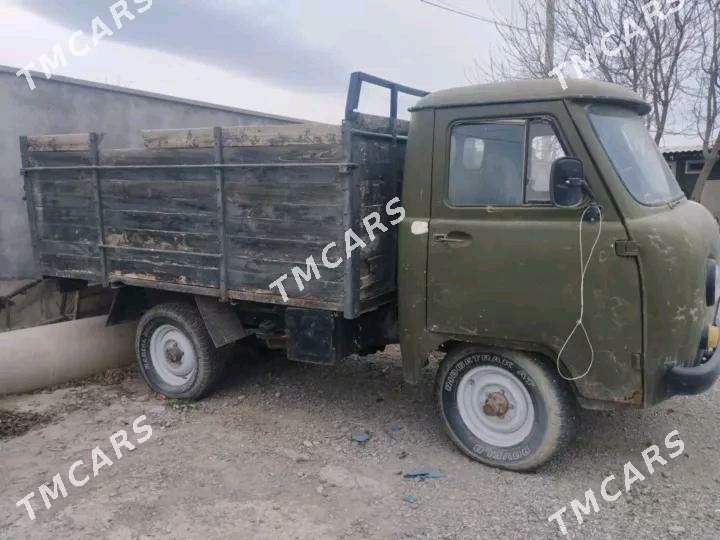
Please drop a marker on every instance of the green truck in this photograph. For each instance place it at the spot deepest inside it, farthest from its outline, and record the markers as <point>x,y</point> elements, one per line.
<point>533,235</point>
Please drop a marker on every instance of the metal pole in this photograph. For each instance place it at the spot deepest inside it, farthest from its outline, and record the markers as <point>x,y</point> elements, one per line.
<point>549,35</point>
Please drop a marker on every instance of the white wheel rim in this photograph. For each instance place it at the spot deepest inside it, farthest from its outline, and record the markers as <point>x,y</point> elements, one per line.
<point>495,406</point>
<point>172,355</point>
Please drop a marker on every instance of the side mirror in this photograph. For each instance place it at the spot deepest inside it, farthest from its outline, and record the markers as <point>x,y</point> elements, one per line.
<point>567,182</point>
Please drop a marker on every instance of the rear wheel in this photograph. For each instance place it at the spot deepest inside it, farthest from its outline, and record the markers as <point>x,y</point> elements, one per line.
<point>177,358</point>
<point>506,409</point>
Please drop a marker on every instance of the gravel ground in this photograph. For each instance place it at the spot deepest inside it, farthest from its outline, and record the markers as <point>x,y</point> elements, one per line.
<point>270,455</point>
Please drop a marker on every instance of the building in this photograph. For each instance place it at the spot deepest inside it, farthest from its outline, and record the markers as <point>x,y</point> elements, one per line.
<point>65,105</point>
<point>686,162</point>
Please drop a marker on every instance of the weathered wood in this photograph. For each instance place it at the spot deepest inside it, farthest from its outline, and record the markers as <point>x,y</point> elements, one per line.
<point>168,227</point>
<point>379,124</point>
<point>184,275</point>
<point>279,249</point>
<point>266,228</point>
<point>278,135</point>
<point>59,159</point>
<point>66,233</point>
<point>134,156</point>
<point>83,266</point>
<point>75,142</point>
<point>167,221</point>
<point>51,247</point>
<point>203,261</point>
<point>281,176</point>
<point>325,291</point>
<point>328,214</point>
<point>159,195</point>
<point>291,153</point>
<point>276,268</point>
<point>190,242</point>
<point>319,194</point>
<point>65,216</point>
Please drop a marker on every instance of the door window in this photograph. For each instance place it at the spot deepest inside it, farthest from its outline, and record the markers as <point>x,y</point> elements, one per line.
<point>544,148</point>
<point>486,164</point>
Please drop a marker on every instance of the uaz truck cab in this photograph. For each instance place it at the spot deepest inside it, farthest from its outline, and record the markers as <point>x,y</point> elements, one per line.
<point>541,243</point>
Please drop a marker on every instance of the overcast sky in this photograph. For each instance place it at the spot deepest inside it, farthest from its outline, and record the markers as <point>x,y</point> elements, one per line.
<point>288,57</point>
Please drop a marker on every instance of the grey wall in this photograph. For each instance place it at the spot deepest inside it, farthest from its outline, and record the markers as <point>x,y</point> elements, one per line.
<point>63,105</point>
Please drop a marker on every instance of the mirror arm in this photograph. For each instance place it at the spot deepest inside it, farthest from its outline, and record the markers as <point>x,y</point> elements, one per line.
<point>594,209</point>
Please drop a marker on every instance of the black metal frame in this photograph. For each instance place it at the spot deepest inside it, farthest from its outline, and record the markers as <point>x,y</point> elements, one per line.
<point>353,99</point>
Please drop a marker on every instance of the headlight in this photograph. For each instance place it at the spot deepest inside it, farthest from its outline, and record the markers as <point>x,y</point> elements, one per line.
<point>712,282</point>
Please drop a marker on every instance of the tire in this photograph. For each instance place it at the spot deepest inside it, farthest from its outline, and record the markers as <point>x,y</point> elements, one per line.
<point>176,355</point>
<point>506,409</point>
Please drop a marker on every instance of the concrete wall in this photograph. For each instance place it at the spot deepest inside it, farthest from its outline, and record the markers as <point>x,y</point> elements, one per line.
<point>63,105</point>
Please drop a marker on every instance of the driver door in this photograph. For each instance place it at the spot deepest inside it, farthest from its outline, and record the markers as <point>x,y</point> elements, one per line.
<point>504,263</point>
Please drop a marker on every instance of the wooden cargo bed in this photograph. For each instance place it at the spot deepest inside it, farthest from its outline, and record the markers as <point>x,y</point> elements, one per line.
<point>220,211</point>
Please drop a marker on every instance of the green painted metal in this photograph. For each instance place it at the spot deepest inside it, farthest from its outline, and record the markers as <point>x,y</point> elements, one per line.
<point>516,283</point>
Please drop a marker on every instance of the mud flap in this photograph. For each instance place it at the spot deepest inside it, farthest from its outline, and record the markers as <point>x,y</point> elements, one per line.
<point>221,321</point>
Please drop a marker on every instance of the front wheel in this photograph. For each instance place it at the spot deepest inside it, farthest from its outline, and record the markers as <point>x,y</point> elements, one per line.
<point>506,409</point>
<point>176,355</point>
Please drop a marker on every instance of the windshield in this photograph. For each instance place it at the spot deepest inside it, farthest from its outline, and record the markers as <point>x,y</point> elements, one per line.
<point>634,155</point>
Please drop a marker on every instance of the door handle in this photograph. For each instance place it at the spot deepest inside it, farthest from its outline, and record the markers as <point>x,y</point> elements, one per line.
<point>454,237</point>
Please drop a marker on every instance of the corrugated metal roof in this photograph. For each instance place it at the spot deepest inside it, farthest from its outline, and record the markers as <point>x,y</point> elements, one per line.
<point>681,149</point>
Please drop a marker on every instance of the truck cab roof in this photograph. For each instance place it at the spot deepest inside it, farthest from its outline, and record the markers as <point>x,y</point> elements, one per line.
<point>532,90</point>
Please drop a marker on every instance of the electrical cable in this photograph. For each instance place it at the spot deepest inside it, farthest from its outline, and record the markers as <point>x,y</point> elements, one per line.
<point>583,270</point>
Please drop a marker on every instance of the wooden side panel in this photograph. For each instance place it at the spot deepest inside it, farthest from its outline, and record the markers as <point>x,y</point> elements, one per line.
<point>73,142</point>
<point>379,176</point>
<point>65,224</point>
<point>277,218</point>
<point>380,124</point>
<point>280,135</point>
<point>161,217</point>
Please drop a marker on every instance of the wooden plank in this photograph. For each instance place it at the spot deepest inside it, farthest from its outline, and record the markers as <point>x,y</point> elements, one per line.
<point>205,262</point>
<point>62,175</point>
<point>166,221</point>
<point>160,189</point>
<point>54,200</point>
<point>71,263</point>
<point>330,215</point>
<point>77,249</point>
<point>142,156</point>
<point>325,291</point>
<point>379,124</point>
<point>279,249</point>
<point>176,241</point>
<point>319,194</point>
<point>62,188</point>
<point>59,159</point>
<point>295,153</point>
<point>67,233</point>
<point>73,142</point>
<point>159,195</point>
<point>172,176</point>
<point>64,216</point>
<point>266,228</point>
<point>272,269</point>
<point>283,176</point>
<point>277,135</point>
<point>184,275</point>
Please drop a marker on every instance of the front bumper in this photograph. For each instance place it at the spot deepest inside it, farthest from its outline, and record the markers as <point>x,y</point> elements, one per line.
<point>687,381</point>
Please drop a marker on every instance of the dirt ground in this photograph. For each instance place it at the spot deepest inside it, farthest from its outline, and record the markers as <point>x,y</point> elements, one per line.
<point>270,455</point>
